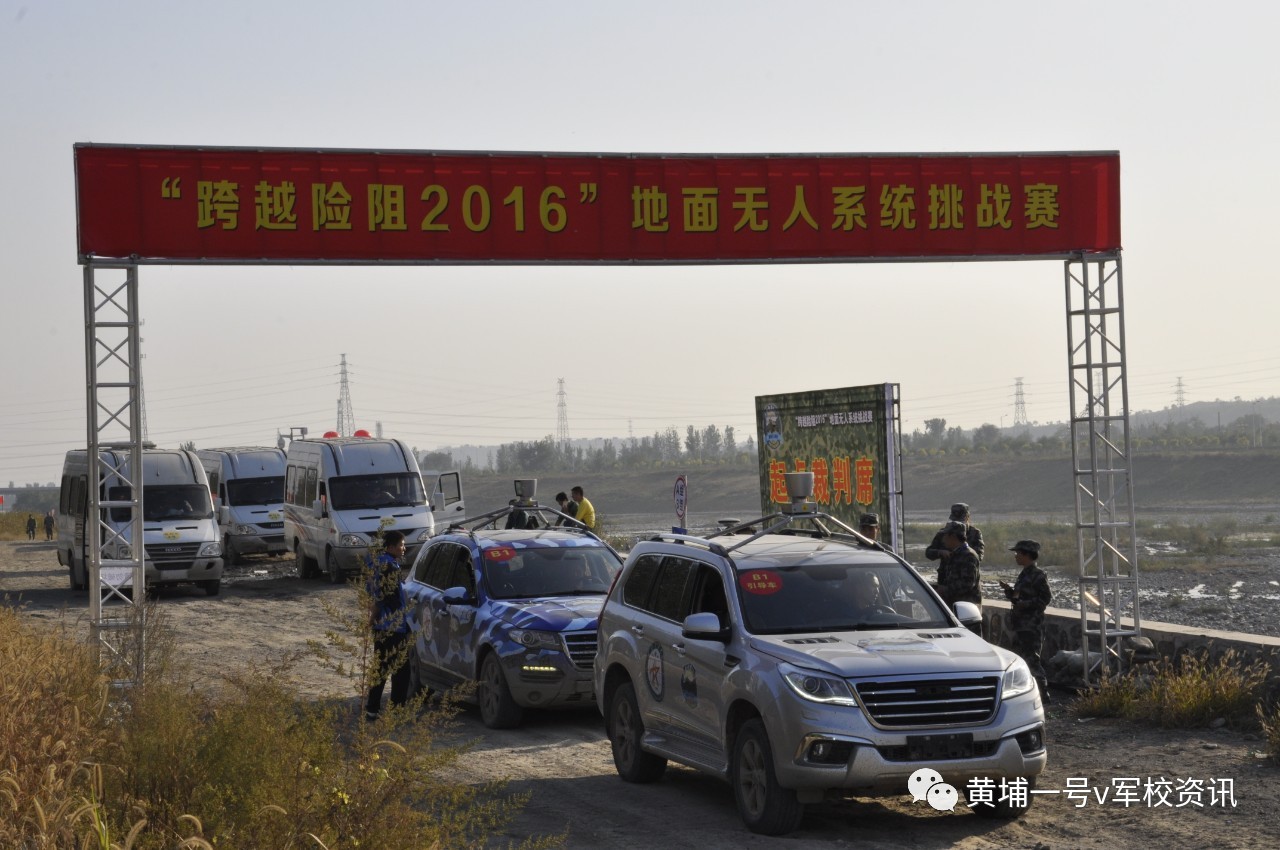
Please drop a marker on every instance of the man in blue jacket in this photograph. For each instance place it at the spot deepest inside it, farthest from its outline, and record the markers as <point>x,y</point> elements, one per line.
<point>388,618</point>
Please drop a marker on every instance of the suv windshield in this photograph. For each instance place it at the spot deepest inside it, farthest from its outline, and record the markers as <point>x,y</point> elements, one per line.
<point>386,490</point>
<point>835,597</point>
<point>551,571</point>
<point>255,491</point>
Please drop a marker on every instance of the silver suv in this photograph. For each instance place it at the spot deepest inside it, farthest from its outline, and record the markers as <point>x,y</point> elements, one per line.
<point>796,659</point>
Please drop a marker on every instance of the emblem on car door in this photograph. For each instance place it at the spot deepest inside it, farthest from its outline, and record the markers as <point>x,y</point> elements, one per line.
<point>653,671</point>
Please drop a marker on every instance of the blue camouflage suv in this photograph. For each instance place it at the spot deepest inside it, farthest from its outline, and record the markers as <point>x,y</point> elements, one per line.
<point>513,609</point>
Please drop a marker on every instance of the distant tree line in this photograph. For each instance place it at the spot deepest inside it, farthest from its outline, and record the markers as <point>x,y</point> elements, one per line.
<point>710,445</point>
<point>1249,431</point>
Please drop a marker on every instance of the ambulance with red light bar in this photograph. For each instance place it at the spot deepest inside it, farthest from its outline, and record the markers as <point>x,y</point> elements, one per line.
<point>340,492</point>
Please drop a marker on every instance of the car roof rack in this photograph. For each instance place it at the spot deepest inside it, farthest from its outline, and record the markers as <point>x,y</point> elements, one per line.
<point>526,489</point>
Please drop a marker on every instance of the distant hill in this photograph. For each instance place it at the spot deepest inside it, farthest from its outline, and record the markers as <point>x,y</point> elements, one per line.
<point>991,485</point>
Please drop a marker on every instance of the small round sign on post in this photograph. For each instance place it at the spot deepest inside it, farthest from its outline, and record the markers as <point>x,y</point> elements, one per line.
<point>681,493</point>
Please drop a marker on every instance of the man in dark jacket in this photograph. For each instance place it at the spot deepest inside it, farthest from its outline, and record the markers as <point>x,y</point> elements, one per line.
<point>388,618</point>
<point>958,575</point>
<point>935,551</point>
<point>1029,595</point>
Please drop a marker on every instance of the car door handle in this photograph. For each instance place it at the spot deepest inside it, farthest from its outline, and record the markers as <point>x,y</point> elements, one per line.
<point>639,630</point>
<point>679,648</point>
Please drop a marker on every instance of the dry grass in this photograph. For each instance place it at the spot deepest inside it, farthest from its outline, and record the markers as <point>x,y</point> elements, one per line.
<point>1190,692</point>
<point>250,767</point>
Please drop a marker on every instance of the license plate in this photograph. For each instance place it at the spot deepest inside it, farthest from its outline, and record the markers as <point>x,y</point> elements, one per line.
<point>929,747</point>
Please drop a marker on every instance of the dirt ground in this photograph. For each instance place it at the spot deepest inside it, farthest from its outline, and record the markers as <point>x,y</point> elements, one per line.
<point>1208,788</point>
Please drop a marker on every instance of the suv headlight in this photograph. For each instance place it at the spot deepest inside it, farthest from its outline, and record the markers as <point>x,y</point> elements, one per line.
<point>211,550</point>
<point>353,540</point>
<point>1017,680</point>
<point>535,639</point>
<point>246,529</point>
<point>817,687</point>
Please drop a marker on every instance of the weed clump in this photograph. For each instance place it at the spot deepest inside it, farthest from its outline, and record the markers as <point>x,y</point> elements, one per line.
<point>1189,692</point>
<point>252,766</point>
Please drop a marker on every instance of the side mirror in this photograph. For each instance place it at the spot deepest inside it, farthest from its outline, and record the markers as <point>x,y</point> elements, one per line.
<point>970,616</point>
<point>458,596</point>
<point>223,514</point>
<point>317,509</point>
<point>704,626</point>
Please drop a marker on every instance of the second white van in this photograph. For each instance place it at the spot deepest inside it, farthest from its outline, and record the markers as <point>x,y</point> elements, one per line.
<point>248,495</point>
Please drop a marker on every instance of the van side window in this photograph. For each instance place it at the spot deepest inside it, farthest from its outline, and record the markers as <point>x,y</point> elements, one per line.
<point>309,495</point>
<point>64,495</point>
<point>291,484</point>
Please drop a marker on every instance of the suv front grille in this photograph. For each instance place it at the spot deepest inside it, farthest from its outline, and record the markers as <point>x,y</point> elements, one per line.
<point>930,702</point>
<point>581,647</point>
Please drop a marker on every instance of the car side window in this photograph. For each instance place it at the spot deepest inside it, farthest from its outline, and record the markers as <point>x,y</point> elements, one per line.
<point>671,597</point>
<point>640,581</point>
<point>440,567</point>
<point>420,565</point>
<point>462,575</point>
<point>709,596</point>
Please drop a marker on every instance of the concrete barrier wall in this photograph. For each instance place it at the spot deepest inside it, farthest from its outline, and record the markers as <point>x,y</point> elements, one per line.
<point>1062,632</point>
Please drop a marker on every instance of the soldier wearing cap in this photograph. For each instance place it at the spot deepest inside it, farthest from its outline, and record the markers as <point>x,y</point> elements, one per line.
<point>1029,595</point>
<point>935,551</point>
<point>869,526</point>
<point>958,574</point>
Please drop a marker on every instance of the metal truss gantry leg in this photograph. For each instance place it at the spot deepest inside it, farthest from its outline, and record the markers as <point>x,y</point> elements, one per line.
<point>1102,463</point>
<point>114,420</point>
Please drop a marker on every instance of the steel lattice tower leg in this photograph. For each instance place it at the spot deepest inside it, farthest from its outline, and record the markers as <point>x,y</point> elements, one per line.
<point>113,408</point>
<point>1101,461</point>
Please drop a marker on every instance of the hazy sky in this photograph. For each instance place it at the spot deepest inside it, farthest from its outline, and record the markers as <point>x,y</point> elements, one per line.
<point>1186,92</point>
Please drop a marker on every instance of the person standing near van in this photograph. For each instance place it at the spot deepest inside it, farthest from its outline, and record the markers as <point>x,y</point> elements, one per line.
<point>48,525</point>
<point>388,618</point>
<point>31,526</point>
<point>586,514</point>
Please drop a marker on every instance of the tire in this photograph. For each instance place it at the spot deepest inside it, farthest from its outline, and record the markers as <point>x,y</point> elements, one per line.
<point>626,731</point>
<point>331,567</point>
<point>307,567</point>
<point>1005,810</point>
<point>498,710</point>
<point>232,557</point>
<point>764,805</point>
<point>211,588</point>
<point>76,583</point>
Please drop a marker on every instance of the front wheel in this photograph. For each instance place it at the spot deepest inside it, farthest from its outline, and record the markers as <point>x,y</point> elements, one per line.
<point>764,805</point>
<point>626,731</point>
<point>232,557</point>
<point>211,588</point>
<point>498,709</point>
<point>334,570</point>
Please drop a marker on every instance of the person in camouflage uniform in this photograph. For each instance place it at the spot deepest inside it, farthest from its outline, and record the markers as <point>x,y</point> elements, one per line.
<point>958,575</point>
<point>935,551</point>
<point>1029,595</point>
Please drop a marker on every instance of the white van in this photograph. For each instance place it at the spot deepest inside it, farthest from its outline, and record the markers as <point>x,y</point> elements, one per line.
<point>180,537</point>
<point>338,491</point>
<point>248,495</point>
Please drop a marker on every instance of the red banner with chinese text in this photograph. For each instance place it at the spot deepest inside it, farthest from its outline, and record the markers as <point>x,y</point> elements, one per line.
<point>233,205</point>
